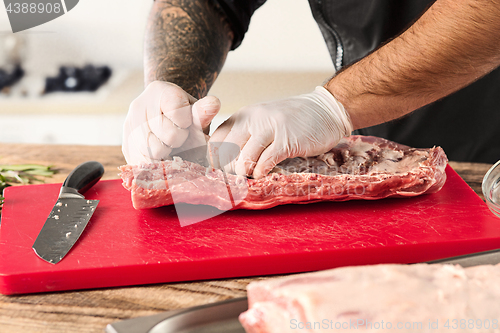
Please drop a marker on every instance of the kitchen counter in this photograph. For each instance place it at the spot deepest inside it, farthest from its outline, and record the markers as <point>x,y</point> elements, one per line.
<point>92,310</point>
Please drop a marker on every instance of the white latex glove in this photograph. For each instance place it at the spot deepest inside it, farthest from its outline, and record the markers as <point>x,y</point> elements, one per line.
<point>164,120</point>
<point>268,133</point>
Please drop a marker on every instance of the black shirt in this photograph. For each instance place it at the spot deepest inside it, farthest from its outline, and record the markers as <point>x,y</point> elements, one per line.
<point>466,124</point>
<point>238,14</point>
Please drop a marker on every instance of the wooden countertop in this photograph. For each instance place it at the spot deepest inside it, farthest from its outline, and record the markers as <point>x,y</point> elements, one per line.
<point>92,310</point>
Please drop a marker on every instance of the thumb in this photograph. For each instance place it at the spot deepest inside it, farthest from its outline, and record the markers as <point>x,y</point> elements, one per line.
<point>204,110</point>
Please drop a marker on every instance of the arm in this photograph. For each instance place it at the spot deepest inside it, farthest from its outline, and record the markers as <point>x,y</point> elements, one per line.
<point>453,44</point>
<point>186,43</point>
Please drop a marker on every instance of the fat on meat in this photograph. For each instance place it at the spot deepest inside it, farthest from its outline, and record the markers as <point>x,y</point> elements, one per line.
<point>359,167</point>
<point>379,298</point>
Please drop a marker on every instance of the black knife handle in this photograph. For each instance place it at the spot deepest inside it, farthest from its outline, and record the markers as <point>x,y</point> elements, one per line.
<point>84,176</point>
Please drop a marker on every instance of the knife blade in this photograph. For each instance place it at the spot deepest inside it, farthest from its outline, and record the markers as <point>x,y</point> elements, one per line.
<point>70,214</point>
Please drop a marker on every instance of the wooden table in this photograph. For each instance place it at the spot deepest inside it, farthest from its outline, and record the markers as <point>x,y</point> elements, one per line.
<point>92,310</point>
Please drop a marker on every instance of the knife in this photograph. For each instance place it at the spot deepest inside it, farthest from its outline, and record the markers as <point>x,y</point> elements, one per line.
<point>70,214</point>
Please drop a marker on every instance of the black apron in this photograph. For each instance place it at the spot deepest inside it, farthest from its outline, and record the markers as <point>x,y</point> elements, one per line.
<point>466,124</point>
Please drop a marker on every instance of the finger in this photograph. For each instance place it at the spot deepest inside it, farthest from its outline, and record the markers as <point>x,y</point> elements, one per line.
<point>163,84</point>
<point>135,129</point>
<point>195,139</point>
<point>126,145</point>
<point>223,130</point>
<point>156,88</point>
<point>166,130</point>
<point>129,149</point>
<point>231,147</point>
<point>175,106</point>
<point>226,143</point>
<point>216,140</point>
<point>269,158</point>
<point>150,146</point>
<point>180,117</point>
<point>250,154</point>
<point>204,110</point>
<point>156,149</point>
<point>134,157</point>
<point>134,142</point>
<point>169,120</point>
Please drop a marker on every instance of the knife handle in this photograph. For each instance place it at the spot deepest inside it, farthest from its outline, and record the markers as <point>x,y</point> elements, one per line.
<point>83,177</point>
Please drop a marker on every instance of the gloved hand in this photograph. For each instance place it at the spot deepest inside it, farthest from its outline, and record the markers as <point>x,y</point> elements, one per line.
<point>268,133</point>
<point>163,120</point>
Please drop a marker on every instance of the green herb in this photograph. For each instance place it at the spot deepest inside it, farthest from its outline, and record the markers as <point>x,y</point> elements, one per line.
<point>22,174</point>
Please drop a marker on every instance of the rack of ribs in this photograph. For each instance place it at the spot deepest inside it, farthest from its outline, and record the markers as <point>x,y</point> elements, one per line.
<point>359,167</point>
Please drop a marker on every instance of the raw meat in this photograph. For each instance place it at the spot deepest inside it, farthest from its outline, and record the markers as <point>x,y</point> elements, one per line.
<point>359,167</point>
<point>378,298</point>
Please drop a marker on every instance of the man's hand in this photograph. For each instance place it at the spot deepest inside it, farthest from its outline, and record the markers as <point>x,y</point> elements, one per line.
<point>453,44</point>
<point>165,119</point>
<point>185,46</point>
<point>268,133</point>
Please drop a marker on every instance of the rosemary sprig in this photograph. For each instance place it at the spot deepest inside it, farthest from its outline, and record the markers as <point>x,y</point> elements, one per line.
<point>22,174</point>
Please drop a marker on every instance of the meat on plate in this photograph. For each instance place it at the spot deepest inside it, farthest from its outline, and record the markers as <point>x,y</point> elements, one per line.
<point>378,298</point>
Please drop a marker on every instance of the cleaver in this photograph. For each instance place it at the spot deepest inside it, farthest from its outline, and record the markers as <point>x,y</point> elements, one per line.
<point>70,214</point>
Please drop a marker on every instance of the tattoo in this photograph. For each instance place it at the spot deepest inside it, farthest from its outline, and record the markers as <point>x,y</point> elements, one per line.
<point>186,43</point>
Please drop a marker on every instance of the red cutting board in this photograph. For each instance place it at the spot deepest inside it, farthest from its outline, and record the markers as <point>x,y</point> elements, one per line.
<point>123,246</point>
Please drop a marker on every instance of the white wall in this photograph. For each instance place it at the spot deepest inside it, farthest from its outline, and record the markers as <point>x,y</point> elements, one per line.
<point>282,36</point>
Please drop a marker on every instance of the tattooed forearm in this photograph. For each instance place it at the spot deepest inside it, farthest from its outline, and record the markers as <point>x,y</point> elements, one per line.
<point>186,43</point>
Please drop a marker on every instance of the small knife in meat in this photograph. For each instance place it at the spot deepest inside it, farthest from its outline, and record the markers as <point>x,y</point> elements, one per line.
<point>70,214</point>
